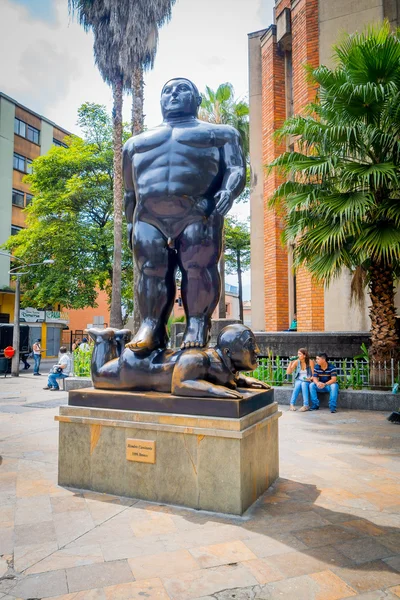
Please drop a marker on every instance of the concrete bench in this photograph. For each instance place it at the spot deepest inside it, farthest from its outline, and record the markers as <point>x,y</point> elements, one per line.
<point>353,399</point>
<point>76,383</point>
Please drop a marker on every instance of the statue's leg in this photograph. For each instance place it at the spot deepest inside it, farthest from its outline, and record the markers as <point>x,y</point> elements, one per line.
<point>199,249</point>
<point>156,286</point>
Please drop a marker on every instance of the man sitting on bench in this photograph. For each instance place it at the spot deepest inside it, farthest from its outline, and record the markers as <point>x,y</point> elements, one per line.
<point>324,380</point>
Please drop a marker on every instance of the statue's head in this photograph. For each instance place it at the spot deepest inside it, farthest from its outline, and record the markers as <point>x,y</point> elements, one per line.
<point>238,344</point>
<point>179,98</point>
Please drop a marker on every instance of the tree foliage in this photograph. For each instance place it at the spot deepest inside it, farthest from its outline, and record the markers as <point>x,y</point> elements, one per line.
<point>237,252</point>
<point>71,219</point>
<point>341,200</point>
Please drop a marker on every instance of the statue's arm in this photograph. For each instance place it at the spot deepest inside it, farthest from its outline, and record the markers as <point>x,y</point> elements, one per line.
<point>129,196</point>
<point>234,168</point>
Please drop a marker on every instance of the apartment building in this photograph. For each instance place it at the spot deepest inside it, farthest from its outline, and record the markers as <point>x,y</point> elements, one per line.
<point>24,135</point>
<point>303,32</point>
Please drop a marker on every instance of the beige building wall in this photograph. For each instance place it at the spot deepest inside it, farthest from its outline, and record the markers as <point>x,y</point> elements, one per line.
<point>336,17</point>
<point>257,183</point>
<point>339,16</point>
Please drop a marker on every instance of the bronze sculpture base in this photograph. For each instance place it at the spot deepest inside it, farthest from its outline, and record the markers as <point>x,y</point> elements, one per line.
<point>232,408</point>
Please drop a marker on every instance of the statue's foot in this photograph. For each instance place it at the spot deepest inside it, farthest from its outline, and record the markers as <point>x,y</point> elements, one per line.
<point>149,337</point>
<point>196,334</point>
<point>102,335</point>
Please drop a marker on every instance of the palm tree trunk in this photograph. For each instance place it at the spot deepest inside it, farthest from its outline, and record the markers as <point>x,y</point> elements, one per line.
<point>239,273</point>
<point>222,304</point>
<point>116,312</point>
<point>137,127</point>
<point>384,337</point>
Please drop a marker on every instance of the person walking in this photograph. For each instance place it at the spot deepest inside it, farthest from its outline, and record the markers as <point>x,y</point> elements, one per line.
<point>37,356</point>
<point>303,368</point>
<point>61,370</point>
<point>324,380</point>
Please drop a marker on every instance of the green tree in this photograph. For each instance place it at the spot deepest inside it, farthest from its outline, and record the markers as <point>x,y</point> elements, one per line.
<point>71,219</point>
<point>221,107</point>
<point>341,199</point>
<point>237,252</point>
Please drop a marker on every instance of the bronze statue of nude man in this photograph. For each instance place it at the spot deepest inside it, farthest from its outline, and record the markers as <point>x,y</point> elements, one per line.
<point>181,179</point>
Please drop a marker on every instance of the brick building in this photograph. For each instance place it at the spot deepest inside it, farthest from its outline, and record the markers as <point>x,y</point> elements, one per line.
<point>303,33</point>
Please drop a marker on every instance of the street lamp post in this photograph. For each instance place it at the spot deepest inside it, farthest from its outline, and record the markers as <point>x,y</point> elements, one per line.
<point>16,330</point>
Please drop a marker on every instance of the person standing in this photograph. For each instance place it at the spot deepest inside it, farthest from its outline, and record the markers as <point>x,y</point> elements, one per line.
<point>63,370</point>
<point>37,356</point>
<point>303,368</point>
<point>324,380</point>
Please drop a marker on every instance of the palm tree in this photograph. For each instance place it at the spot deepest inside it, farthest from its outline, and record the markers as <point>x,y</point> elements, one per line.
<point>220,106</point>
<point>342,197</point>
<point>125,42</point>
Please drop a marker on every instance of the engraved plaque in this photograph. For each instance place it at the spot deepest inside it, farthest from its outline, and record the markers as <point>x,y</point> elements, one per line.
<point>141,450</point>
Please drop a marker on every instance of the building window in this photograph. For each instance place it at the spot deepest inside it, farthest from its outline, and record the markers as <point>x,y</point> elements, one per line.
<point>19,127</point>
<point>33,134</point>
<point>19,162</point>
<point>18,198</point>
<point>28,165</point>
<point>15,229</point>
<point>27,131</point>
<point>58,143</point>
<point>28,199</point>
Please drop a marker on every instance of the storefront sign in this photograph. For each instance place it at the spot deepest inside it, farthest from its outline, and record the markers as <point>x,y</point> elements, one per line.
<point>31,315</point>
<point>55,316</point>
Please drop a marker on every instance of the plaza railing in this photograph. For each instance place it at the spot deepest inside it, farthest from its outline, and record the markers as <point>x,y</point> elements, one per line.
<point>356,374</point>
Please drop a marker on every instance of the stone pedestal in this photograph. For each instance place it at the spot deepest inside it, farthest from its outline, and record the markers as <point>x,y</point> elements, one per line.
<point>211,463</point>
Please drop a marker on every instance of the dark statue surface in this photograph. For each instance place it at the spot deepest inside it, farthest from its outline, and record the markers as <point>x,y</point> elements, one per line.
<point>181,178</point>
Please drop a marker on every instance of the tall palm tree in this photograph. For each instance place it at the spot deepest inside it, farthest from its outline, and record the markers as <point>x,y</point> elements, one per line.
<point>342,197</point>
<point>125,42</point>
<point>220,106</point>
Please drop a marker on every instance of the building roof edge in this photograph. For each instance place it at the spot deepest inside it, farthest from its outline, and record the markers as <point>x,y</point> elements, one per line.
<point>3,95</point>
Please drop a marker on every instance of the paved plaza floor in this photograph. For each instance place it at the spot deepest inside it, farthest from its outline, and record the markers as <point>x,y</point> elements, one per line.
<point>328,529</point>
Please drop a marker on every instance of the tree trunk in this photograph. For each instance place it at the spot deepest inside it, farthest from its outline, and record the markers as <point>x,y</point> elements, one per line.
<point>239,273</point>
<point>384,338</point>
<point>116,311</point>
<point>222,304</point>
<point>137,127</point>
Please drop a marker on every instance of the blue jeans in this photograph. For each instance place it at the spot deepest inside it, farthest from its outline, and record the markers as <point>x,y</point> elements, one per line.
<point>37,358</point>
<point>52,379</point>
<point>333,390</point>
<point>303,387</point>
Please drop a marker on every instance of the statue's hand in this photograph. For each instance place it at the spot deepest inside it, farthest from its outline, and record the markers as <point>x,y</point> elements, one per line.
<point>251,382</point>
<point>223,201</point>
<point>129,233</point>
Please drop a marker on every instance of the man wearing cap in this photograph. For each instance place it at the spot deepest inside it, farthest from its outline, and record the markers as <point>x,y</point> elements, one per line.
<point>181,179</point>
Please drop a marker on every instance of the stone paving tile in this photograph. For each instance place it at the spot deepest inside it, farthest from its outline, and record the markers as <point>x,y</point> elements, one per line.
<point>41,586</point>
<point>322,536</point>
<point>295,564</point>
<point>69,526</point>
<point>30,511</point>
<point>363,550</point>
<point>391,541</point>
<point>376,595</point>
<point>393,562</point>
<point>367,577</point>
<point>221,554</point>
<point>262,570</point>
<point>156,524</point>
<point>28,555</point>
<point>204,582</point>
<point>166,564</point>
<point>364,527</point>
<point>263,546</point>
<point>132,548</point>
<point>7,537</point>
<point>216,534</point>
<point>67,558</point>
<point>70,503</point>
<point>37,533</point>
<point>98,575</point>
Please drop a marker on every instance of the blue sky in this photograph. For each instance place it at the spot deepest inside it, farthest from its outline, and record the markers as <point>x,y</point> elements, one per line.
<point>39,9</point>
<point>48,65</point>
